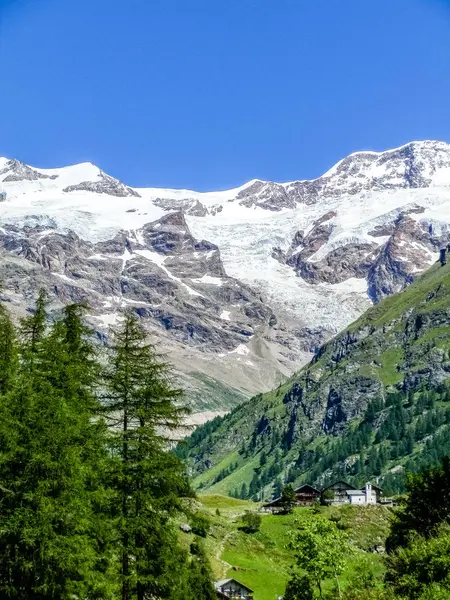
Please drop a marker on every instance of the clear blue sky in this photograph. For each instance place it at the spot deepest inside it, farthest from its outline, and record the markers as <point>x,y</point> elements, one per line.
<point>207,94</point>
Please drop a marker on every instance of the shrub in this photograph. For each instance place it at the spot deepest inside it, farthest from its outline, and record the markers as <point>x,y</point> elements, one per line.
<point>252,522</point>
<point>200,524</point>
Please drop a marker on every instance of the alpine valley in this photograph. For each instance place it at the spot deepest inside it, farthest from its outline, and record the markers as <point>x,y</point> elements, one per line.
<point>242,287</point>
<point>374,402</point>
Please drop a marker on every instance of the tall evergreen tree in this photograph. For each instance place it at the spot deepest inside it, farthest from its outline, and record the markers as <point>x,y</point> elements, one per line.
<point>8,352</point>
<point>51,448</point>
<point>143,408</point>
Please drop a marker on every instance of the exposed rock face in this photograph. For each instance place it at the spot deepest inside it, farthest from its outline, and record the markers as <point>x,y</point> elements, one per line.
<point>176,283</point>
<point>240,285</point>
<point>408,251</point>
<point>19,171</point>
<point>189,206</point>
<point>106,185</point>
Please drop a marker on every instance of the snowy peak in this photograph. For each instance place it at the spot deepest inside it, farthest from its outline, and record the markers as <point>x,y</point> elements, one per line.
<point>14,170</point>
<point>287,265</point>
<point>415,165</point>
<point>16,177</point>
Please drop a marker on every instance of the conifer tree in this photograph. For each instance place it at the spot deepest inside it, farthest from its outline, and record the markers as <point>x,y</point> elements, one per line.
<point>143,408</point>
<point>8,352</point>
<point>51,449</point>
<point>199,579</point>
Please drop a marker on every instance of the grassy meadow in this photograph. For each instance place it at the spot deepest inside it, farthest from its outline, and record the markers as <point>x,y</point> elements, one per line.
<point>262,561</point>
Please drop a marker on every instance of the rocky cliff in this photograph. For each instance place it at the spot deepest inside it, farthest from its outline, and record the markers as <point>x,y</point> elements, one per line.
<point>241,286</point>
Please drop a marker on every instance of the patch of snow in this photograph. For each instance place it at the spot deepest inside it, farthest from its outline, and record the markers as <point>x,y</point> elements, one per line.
<point>352,285</point>
<point>63,277</point>
<point>208,279</point>
<point>225,315</point>
<point>241,349</point>
<point>109,319</point>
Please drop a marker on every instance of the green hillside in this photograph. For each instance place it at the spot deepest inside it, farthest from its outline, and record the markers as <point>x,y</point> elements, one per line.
<point>262,561</point>
<point>373,403</point>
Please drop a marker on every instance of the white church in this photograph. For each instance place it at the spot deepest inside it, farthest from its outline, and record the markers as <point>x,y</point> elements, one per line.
<point>344,493</point>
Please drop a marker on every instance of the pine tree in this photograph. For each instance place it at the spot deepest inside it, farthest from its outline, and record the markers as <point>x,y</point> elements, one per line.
<point>199,579</point>
<point>51,448</point>
<point>8,352</point>
<point>244,491</point>
<point>142,407</point>
<point>33,331</point>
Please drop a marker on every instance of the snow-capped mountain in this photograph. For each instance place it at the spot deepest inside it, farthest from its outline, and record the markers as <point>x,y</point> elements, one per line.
<point>240,285</point>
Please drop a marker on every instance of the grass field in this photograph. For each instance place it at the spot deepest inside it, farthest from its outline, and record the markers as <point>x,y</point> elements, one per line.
<point>262,560</point>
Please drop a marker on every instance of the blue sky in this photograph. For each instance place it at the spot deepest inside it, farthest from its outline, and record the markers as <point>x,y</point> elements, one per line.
<point>207,94</point>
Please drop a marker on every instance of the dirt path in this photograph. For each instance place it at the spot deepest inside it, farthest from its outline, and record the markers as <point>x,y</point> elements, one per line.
<point>220,549</point>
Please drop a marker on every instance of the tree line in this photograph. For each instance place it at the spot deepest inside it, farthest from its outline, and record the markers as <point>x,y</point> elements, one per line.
<point>88,490</point>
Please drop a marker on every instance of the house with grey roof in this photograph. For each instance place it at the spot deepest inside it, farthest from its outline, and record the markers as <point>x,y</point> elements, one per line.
<point>231,588</point>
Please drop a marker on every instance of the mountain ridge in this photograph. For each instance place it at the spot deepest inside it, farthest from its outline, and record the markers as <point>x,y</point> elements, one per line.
<point>292,265</point>
<point>374,401</point>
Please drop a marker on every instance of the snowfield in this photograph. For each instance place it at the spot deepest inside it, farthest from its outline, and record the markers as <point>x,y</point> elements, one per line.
<point>360,197</point>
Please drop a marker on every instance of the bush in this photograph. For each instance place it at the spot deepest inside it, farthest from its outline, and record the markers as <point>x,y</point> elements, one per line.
<point>252,522</point>
<point>299,587</point>
<point>195,548</point>
<point>200,525</point>
<point>326,497</point>
<point>424,563</point>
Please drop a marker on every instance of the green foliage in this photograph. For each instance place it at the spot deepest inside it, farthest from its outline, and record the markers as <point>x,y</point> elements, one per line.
<point>251,522</point>
<point>85,510</point>
<point>418,565</point>
<point>387,432</point>
<point>326,497</point>
<point>426,507</point>
<point>8,352</point>
<point>288,498</point>
<point>199,584</point>
<point>200,524</point>
<point>299,587</point>
<point>140,405</point>
<point>423,563</point>
<point>365,583</point>
<point>320,549</point>
<point>53,539</point>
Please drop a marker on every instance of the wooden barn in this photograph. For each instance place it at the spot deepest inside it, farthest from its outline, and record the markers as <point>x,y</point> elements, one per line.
<point>306,495</point>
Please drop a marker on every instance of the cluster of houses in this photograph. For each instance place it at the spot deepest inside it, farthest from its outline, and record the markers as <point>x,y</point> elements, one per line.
<point>339,492</point>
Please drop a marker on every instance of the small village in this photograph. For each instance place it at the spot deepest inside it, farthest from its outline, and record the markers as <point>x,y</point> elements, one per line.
<point>336,494</point>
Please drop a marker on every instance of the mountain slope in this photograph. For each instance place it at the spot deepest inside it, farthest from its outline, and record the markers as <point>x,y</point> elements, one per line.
<point>239,286</point>
<point>374,401</point>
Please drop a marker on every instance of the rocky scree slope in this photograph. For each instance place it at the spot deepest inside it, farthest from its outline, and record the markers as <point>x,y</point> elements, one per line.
<point>240,286</point>
<point>373,401</point>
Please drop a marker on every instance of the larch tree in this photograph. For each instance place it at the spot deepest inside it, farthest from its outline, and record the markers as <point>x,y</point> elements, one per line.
<point>143,409</point>
<point>8,352</point>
